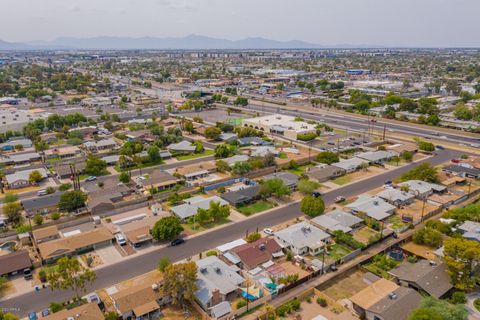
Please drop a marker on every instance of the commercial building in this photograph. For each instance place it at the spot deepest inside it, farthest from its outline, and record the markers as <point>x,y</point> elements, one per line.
<point>280,124</point>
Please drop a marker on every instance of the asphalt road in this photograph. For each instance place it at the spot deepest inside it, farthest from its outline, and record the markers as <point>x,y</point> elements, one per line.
<point>143,263</point>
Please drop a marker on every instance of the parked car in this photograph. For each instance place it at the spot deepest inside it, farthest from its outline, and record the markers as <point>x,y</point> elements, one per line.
<point>45,312</point>
<point>120,239</point>
<point>439,147</point>
<point>388,182</point>
<point>316,194</point>
<point>268,231</point>
<point>177,242</point>
<point>339,199</point>
<point>91,178</point>
<point>32,315</point>
<point>27,274</point>
<point>42,193</point>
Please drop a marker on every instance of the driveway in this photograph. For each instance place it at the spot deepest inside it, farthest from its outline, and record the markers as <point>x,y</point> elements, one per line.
<point>473,313</point>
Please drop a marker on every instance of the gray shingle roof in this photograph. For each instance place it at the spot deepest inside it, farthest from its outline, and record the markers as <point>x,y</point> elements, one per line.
<point>302,235</point>
<point>192,205</point>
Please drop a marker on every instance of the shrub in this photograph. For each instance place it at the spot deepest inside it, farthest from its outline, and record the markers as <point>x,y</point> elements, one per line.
<point>241,303</point>
<point>55,307</point>
<point>212,253</point>
<point>55,216</point>
<point>38,219</point>
<point>458,297</point>
<point>307,136</point>
<point>252,237</point>
<point>322,302</point>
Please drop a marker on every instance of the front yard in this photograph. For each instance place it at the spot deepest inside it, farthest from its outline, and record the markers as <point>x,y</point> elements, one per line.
<point>255,207</point>
<point>192,228</point>
<point>195,155</point>
<point>342,180</point>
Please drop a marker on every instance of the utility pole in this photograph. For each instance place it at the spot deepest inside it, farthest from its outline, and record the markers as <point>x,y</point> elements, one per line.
<point>423,206</point>
<point>323,259</point>
<point>469,188</point>
<point>384,131</point>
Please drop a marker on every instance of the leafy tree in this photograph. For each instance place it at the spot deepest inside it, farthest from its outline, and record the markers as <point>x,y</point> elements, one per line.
<point>153,153</point>
<point>124,177</point>
<point>327,157</point>
<point>131,148</point>
<point>72,200</point>
<point>95,166</point>
<point>312,206</point>
<point>252,237</point>
<point>69,274</point>
<point>222,166</point>
<point>436,309</point>
<point>8,316</point>
<point>111,316</point>
<point>10,197</point>
<point>167,228</point>
<point>458,297</point>
<point>240,168</point>
<point>407,156</point>
<point>188,126</point>
<point>306,186</point>
<point>424,172</point>
<point>428,236</point>
<point>274,187</point>
<point>38,219</point>
<point>461,256</point>
<point>35,176</point>
<point>470,213</point>
<point>198,146</point>
<point>180,282</point>
<point>223,151</point>
<point>213,133</point>
<point>13,212</point>
<point>425,145</point>
<point>163,263</point>
<point>65,186</point>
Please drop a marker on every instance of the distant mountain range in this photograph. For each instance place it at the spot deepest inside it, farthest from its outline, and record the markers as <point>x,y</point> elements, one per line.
<point>155,43</point>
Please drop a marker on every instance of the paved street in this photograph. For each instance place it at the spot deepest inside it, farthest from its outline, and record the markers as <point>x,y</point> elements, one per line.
<point>142,263</point>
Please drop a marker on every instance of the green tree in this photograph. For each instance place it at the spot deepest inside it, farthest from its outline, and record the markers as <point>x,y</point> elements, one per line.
<point>72,200</point>
<point>188,126</point>
<point>163,263</point>
<point>35,176</point>
<point>274,187</point>
<point>153,153</point>
<point>167,228</point>
<point>13,212</point>
<point>242,167</point>
<point>424,172</point>
<point>306,186</point>
<point>428,236</point>
<point>124,177</point>
<point>407,156</point>
<point>10,197</point>
<point>222,166</point>
<point>38,219</point>
<point>111,316</point>
<point>180,282</point>
<point>312,206</point>
<point>95,166</point>
<point>69,274</point>
<point>436,309</point>
<point>461,256</point>
<point>223,151</point>
<point>327,157</point>
<point>8,316</point>
<point>212,133</point>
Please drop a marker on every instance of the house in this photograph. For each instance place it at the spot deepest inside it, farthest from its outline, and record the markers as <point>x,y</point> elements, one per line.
<point>139,302</point>
<point>140,135</point>
<point>384,300</point>
<point>138,232</point>
<point>111,160</point>
<point>228,137</point>
<point>470,230</point>
<point>325,172</point>
<point>337,220</point>
<point>20,179</point>
<point>45,234</point>
<point>263,151</point>
<point>12,143</point>
<point>251,255</point>
<point>243,195</point>
<point>182,147</point>
<point>289,179</point>
<point>425,276</point>
<point>422,189</point>
<point>399,148</point>
<point>62,152</point>
<point>253,141</point>
<point>396,197</point>
<point>23,158</point>
<point>88,311</point>
<point>280,124</point>
<point>42,205</point>
<point>165,154</point>
<point>236,158</point>
<point>64,171</point>
<point>101,145</point>
<point>373,206</point>
<point>376,157</point>
<point>53,250</point>
<point>191,206</point>
<point>158,179</point>
<point>462,171</point>
<point>14,262</point>
<point>350,165</point>
<point>303,238</point>
<point>216,282</point>
<point>195,171</point>
<point>100,201</point>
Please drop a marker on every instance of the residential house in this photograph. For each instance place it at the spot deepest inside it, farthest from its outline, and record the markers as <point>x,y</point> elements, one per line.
<point>470,230</point>
<point>325,172</point>
<point>20,179</point>
<point>376,157</point>
<point>53,250</point>
<point>138,232</point>
<point>252,255</point>
<point>64,171</point>
<point>42,205</point>
<point>369,296</point>
<point>289,179</point>
<point>45,234</point>
<point>425,276</point>
<point>139,302</point>
<point>195,171</point>
<point>14,262</point>
<point>88,311</point>
<point>462,171</point>
<point>374,207</point>
<point>101,145</point>
<point>158,179</point>
<point>140,135</point>
<point>182,147</point>
<point>253,141</point>
<point>422,189</point>
<point>191,206</point>
<point>103,199</point>
<point>62,152</point>
<point>21,158</point>
<point>242,195</point>
<point>303,238</point>
<point>397,197</point>
<point>216,282</point>
<point>228,137</point>
<point>111,160</point>
<point>337,220</point>
<point>236,158</point>
<point>350,165</point>
<point>263,151</point>
<point>12,143</point>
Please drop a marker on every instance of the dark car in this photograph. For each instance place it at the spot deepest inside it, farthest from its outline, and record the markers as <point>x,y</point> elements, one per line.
<point>439,147</point>
<point>45,312</point>
<point>388,182</point>
<point>316,194</point>
<point>177,242</point>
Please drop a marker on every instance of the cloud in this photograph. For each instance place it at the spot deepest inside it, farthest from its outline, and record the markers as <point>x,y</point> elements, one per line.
<point>74,9</point>
<point>177,6</point>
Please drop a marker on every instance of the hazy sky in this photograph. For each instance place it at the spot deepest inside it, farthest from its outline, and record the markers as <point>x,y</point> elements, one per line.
<point>327,22</point>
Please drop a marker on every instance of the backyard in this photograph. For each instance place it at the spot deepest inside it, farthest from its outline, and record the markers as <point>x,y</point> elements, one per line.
<point>336,252</point>
<point>255,207</point>
<point>365,234</point>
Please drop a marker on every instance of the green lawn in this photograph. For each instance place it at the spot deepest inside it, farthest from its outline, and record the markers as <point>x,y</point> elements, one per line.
<point>140,166</point>
<point>342,180</point>
<point>397,222</point>
<point>198,227</point>
<point>337,251</point>
<point>255,207</point>
<point>301,169</point>
<point>195,155</point>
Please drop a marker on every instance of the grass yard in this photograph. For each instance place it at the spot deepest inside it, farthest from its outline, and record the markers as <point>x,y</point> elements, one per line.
<point>191,228</point>
<point>195,155</point>
<point>345,285</point>
<point>336,252</point>
<point>256,207</point>
<point>298,171</point>
<point>397,222</point>
<point>363,235</point>
<point>342,180</point>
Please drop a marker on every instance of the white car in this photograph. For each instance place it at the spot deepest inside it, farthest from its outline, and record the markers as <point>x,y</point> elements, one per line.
<point>120,239</point>
<point>268,231</point>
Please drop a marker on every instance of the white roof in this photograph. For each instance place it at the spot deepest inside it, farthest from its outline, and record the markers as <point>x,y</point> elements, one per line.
<point>303,234</point>
<point>374,207</point>
<point>230,245</point>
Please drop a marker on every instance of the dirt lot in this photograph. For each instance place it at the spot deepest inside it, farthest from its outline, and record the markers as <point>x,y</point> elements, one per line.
<point>331,311</point>
<point>415,210</point>
<point>291,269</point>
<point>345,286</point>
<point>419,250</point>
